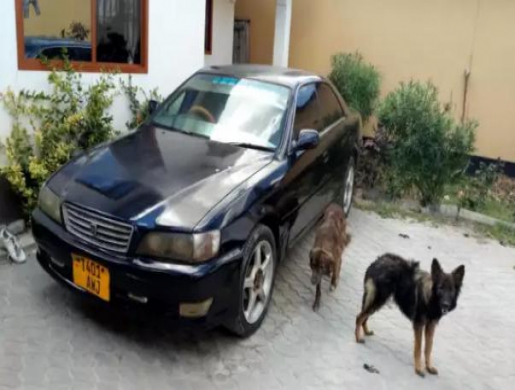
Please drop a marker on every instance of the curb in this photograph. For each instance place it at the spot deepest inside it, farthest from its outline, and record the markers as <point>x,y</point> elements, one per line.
<point>453,211</point>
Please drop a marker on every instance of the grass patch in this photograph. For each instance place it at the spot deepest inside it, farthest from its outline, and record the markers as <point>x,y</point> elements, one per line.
<point>501,233</point>
<point>492,207</point>
<point>498,209</point>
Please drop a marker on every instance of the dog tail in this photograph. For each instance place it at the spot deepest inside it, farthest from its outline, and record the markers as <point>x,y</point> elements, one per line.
<point>369,295</point>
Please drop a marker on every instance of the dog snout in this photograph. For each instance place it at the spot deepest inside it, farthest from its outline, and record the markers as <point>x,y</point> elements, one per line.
<point>446,306</point>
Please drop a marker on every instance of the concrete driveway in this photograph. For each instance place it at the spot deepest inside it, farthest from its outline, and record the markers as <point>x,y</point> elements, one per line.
<point>51,339</point>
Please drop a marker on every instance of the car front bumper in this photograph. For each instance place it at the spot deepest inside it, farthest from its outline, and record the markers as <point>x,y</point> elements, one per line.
<point>134,283</point>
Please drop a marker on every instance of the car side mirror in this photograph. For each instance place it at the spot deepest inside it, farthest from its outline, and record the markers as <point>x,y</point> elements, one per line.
<point>308,139</point>
<point>152,106</point>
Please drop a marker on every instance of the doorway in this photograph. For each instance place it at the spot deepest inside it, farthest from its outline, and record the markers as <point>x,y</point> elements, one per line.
<point>241,45</point>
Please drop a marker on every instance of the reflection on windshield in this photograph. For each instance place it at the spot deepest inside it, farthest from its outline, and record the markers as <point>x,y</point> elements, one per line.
<point>228,110</point>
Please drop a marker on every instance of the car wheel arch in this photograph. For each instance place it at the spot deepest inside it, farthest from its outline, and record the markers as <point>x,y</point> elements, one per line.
<point>272,221</point>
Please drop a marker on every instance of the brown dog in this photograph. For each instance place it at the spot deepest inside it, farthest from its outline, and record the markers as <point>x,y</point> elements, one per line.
<point>325,259</point>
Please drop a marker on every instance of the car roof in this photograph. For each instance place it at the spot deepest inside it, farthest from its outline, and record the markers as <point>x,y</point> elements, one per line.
<point>43,42</point>
<point>272,74</point>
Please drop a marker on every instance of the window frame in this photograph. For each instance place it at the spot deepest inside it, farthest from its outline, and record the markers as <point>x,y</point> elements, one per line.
<point>208,44</point>
<point>82,66</point>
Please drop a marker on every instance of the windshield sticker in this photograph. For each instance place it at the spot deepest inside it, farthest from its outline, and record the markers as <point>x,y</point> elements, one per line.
<point>225,80</point>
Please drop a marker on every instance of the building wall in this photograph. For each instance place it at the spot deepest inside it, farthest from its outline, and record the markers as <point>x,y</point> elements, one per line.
<point>417,39</point>
<point>261,14</point>
<point>223,33</point>
<point>46,23</point>
<point>176,50</point>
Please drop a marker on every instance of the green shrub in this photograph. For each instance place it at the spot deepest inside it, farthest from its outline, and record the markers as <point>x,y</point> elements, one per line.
<point>139,101</point>
<point>427,148</point>
<point>47,128</point>
<point>357,81</point>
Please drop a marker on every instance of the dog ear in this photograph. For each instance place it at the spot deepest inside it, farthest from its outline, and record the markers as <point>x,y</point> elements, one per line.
<point>458,274</point>
<point>436,270</point>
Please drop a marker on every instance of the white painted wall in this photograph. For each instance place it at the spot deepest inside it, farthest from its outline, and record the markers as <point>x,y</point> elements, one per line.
<point>283,15</point>
<point>223,33</point>
<point>176,50</point>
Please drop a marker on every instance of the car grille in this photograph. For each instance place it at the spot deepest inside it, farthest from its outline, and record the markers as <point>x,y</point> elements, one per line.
<point>95,229</point>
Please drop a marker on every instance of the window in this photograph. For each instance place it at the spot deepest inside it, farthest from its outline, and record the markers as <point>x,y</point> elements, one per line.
<point>307,115</point>
<point>329,105</point>
<point>208,41</point>
<point>94,35</point>
<point>227,110</point>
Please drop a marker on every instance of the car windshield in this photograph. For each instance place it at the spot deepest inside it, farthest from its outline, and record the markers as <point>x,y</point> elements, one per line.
<point>244,112</point>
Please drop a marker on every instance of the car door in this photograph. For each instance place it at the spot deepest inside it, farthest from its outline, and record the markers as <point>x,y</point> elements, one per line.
<point>305,176</point>
<point>337,136</point>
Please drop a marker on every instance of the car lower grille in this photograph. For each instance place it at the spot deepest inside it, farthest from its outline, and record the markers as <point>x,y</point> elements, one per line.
<point>95,229</point>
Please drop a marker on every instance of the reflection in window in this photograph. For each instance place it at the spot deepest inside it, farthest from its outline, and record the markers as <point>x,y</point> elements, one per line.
<point>331,109</point>
<point>119,31</point>
<point>307,115</point>
<point>54,28</point>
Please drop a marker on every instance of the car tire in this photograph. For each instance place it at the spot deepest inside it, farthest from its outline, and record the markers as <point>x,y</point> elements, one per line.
<point>248,319</point>
<point>348,186</point>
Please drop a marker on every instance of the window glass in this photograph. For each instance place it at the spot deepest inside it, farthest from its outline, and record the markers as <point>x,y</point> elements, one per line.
<point>51,27</point>
<point>119,31</point>
<point>331,109</point>
<point>307,114</point>
<point>228,110</point>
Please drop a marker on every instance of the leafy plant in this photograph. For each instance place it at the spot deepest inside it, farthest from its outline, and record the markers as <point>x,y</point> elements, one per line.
<point>47,128</point>
<point>139,101</point>
<point>357,81</point>
<point>428,149</point>
<point>504,190</point>
<point>76,30</point>
<point>476,189</point>
<point>371,171</point>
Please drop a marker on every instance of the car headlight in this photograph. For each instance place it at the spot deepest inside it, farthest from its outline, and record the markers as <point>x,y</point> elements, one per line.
<point>50,203</point>
<point>191,248</point>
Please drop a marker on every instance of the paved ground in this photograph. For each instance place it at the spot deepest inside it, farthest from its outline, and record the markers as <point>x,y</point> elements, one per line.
<point>50,340</point>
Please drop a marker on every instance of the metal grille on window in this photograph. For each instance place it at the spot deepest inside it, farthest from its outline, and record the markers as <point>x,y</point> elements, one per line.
<point>98,230</point>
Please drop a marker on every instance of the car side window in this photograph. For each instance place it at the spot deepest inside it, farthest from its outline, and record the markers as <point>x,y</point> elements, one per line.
<point>329,105</point>
<point>307,112</point>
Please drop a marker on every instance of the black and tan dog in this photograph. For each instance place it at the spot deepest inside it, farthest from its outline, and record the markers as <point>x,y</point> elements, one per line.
<point>325,259</point>
<point>423,297</point>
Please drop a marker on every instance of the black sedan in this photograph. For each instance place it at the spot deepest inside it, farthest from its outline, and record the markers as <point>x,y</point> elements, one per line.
<point>191,213</point>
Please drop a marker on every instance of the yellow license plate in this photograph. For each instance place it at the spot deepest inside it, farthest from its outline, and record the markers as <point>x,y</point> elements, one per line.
<point>91,276</point>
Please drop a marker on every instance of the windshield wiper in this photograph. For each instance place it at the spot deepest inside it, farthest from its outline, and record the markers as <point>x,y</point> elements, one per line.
<point>252,146</point>
<point>171,128</point>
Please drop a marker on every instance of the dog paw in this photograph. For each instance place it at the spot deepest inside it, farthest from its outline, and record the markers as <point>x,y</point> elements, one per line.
<point>420,372</point>
<point>432,370</point>
<point>360,341</point>
<point>369,333</point>
<point>332,288</point>
<point>316,306</point>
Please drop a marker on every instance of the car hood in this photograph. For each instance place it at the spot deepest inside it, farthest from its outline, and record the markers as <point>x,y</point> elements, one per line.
<point>154,172</point>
